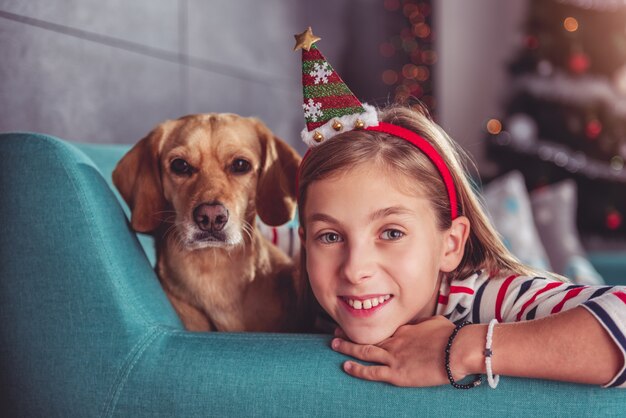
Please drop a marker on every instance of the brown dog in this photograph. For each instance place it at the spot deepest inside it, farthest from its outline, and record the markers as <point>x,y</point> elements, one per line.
<point>196,184</point>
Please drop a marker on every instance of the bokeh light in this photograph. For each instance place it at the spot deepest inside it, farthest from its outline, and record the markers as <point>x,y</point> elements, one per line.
<point>429,57</point>
<point>390,77</point>
<point>409,9</point>
<point>494,126</point>
<point>392,5</point>
<point>423,73</point>
<point>570,24</point>
<point>387,49</point>
<point>421,30</point>
<point>409,71</point>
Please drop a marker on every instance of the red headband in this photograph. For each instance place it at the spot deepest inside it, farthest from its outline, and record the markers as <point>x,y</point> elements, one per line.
<point>430,152</point>
<point>423,146</point>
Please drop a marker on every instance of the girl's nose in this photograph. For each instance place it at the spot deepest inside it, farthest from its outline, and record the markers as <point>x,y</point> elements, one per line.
<point>359,263</point>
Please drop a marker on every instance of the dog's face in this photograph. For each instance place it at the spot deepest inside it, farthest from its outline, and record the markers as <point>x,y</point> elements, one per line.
<point>205,177</point>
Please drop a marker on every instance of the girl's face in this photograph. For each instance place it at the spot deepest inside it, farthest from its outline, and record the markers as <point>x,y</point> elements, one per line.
<point>374,252</point>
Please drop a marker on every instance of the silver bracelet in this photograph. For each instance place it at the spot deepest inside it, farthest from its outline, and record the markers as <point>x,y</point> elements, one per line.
<point>491,379</point>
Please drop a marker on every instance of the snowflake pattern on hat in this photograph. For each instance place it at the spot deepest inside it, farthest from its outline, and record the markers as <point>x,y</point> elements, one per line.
<point>312,110</point>
<point>321,73</point>
<point>329,105</point>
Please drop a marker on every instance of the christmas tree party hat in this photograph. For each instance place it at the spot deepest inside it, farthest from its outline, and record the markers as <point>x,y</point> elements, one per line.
<point>329,106</point>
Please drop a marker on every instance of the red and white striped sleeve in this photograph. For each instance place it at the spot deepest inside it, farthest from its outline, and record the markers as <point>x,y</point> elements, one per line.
<point>513,298</point>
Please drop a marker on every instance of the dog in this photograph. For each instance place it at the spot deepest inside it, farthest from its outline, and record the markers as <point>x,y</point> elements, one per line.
<point>197,184</point>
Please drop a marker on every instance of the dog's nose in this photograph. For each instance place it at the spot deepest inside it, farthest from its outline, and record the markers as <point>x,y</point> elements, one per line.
<point>210,216</point>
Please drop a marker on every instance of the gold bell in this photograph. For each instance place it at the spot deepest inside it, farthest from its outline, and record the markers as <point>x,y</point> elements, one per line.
<point>359,124</point>
<point>318,137</point>
<point>337,125</point>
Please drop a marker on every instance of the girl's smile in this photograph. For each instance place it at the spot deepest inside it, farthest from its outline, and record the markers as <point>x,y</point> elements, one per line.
<point>374,253</point>
<point>365,305</point>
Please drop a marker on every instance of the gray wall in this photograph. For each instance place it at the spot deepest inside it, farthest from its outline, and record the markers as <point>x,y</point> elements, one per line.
<point>476,40</point>
<point>108,71</point>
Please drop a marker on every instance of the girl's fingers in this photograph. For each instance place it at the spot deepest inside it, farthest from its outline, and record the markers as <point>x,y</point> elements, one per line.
<point>375,373</point>
<point>369,353</point>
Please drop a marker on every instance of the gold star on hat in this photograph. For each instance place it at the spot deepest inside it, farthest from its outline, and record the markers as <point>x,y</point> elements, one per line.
<point>305,39</point>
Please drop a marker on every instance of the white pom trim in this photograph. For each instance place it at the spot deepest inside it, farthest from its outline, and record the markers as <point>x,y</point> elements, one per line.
<point>369,118</point>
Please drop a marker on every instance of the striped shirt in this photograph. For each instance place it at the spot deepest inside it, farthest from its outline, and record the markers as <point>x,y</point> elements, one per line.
<point>480,298</point>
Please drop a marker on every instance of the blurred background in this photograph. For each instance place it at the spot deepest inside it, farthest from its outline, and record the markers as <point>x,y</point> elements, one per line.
<point>532,86</point>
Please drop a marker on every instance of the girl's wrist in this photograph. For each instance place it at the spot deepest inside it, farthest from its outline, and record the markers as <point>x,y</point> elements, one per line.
<point>467,356</point>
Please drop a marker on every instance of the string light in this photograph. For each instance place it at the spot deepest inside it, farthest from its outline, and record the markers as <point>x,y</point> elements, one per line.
<point>392,5</point>
<point>409,9</point>
<point>429,57</point>
<point>414,77</point>
<point>593,129</point>
<point>390,77</point>
<point>494,126</point>
<point>531,42</point>
<point>570,24</point>
<point>409,71</point>
<point>421,30</point>
<point>613,219</point>
<point>387,49</point>
<point>423,73</point>
<point>617,163</point>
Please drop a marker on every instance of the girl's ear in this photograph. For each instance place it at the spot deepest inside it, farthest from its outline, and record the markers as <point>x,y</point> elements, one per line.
<point>301,234</point>
<point>454,244</point>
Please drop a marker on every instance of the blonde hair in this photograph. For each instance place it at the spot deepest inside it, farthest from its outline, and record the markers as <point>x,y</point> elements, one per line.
<point>484,248</point>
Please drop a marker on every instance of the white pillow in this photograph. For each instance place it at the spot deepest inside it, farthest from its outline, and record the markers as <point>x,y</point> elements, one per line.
<point>508,205</point>
<point>554,210</point>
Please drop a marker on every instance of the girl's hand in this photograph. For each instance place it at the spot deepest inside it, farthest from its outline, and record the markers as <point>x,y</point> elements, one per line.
<point>413,356</point>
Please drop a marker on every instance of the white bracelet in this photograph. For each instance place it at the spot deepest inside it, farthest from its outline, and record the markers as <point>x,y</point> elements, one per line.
<point>491,379</point>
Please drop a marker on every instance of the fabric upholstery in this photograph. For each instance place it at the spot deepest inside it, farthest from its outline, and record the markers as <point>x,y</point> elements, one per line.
<point>87,330</point>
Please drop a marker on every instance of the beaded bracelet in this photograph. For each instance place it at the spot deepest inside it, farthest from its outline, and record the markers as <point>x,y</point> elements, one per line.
<point>477,379</point>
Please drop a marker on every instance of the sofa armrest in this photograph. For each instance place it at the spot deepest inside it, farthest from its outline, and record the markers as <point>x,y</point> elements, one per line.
<point>77,293</point>
<point>237,375</point>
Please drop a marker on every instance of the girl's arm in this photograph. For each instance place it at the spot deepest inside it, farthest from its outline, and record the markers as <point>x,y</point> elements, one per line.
<point>570,346</point>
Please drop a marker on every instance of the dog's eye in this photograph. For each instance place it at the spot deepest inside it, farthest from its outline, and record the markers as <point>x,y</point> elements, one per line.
<point>181,167</point>
<point>240,166</point>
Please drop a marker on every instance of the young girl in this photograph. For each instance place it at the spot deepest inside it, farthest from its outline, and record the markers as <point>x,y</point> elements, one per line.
<point>399,252</point>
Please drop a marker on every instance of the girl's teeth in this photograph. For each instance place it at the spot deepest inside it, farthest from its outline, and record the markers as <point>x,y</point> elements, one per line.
<point>368,303</point>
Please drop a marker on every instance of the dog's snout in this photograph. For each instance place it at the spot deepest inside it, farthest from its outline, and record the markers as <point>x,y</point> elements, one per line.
<point>210,216</point>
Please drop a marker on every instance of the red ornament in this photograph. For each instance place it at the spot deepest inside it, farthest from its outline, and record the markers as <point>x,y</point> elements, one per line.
<point>579,62</point>
<point>593,129</point>
<point>531,42</point>
<point>613,219</point>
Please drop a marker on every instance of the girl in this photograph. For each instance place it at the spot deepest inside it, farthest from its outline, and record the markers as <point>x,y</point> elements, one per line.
<point>398,251</point>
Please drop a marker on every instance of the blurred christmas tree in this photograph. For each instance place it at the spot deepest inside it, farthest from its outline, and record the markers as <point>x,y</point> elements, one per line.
<point>566,116</point>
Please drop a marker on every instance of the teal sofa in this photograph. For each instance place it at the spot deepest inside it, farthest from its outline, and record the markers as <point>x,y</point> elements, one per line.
<point>87,331</point>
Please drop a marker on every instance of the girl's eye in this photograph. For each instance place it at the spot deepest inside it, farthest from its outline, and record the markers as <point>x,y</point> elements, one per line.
<point>392,234</point>
<point>181,167</point>
<point>330,238</point>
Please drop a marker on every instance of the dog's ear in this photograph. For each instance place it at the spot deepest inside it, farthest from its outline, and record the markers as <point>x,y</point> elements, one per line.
<point>137,176</point>
<point>276,190</point>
